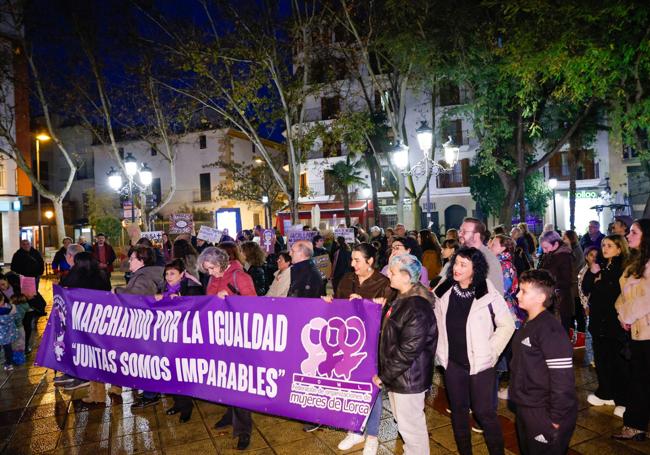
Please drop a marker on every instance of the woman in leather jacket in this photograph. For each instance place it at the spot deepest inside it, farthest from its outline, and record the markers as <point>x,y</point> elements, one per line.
<point>255,266</point>
<point>407,345</point>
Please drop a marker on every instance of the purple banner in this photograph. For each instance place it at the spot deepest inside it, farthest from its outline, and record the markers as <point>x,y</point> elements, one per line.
<point>299,358</point>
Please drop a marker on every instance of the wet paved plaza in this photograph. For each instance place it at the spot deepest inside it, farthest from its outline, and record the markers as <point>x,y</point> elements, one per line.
<point>36,417</point>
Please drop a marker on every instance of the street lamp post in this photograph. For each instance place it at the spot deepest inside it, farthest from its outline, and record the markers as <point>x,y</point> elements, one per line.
<point>131,169</point>
<point>425,140</point>
<point>42,137</point>
<point>265,201</point>
<point>552,184</point>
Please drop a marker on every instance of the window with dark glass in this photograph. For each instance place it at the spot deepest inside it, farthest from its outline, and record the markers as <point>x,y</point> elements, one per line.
<point>330,107</point>
<point>204,184</point>
<point>202,141</point>
<point>457,178</point>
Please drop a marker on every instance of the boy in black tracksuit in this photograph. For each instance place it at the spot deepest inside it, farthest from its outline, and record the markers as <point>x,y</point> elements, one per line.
<point>542,382</point>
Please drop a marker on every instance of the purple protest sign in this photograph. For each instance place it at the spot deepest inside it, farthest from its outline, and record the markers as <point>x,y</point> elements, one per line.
<point>298,358</point>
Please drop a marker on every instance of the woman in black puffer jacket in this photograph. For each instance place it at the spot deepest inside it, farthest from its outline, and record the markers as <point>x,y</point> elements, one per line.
<point>601,283</point>
<point>408,344</point>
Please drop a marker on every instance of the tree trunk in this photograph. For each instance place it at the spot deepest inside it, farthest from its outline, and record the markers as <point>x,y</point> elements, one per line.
<point>573,175</point>
<point>60,222</point>
<point>646,210</point>
<point>505,214</point>
<point>417,214</point>
<point>293,207</point>
<point>372,171</point>
<point>346,208</point>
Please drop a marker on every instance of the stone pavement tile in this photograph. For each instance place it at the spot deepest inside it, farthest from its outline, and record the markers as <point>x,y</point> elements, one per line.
<point>287,431</point>
<point>397,447</point>
<point>581,434</point>
<point>94,448</point>
<point>600,423</point>
<point>15,402</point>
<point>132,425</point>
<point>10,417</point>
<point>331,438</point>
<point>39,426</point>
<point>445,437</point>
<point>47,410</point>
<point>122,411</point>
<point>78,415</point>
<point>93,432</point>
<point>261,421</point>
<point>27,445</point>
<point>204,446</point>
<point>311,446</point>
<point>604,445</point>
<point>210,410</point>
<point>227,444</point>
<point>135,443</point>
<point>183,433</point>
<point>387,430</point>
<point>435,419</point>
<point>643,447</point>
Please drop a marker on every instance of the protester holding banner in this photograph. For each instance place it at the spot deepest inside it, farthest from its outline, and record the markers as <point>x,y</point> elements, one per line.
<point>282,281</point>
<point>177,283</point>
<point>85,274</point>
<point>255,265</point>
<point>475,326</point>
<point>365,282</point>
<point>306,280</point>
<point>146,279</point>
<point>227,277</point>
<point>406,349</point>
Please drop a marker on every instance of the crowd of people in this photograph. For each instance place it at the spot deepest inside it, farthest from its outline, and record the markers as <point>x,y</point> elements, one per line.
<point>477,304</point>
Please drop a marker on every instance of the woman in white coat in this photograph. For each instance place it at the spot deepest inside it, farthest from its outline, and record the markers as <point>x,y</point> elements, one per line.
<point>474,326</point>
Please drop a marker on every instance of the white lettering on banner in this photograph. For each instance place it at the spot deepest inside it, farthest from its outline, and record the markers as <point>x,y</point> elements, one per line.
<point>229,375</point>
<point>145,366</point>
<point>111,320</point>
<point>235,329</point>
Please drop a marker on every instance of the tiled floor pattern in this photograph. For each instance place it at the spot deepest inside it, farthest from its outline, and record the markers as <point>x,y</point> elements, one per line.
<point>35,417</point>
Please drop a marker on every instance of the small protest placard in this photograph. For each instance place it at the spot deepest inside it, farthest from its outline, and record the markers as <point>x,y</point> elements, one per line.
<point>267,241</point>
<point>347,233</point>
<point>324,265</point>
<point>154,236</point>
<point>28,286</point>
<point>294,235</point>
<point>209,234</point>
<point>181,223</point>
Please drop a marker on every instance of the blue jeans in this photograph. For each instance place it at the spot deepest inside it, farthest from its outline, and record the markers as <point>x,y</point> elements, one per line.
<point>374,419</point>
<point>589,346</point>
<point>150,395</point>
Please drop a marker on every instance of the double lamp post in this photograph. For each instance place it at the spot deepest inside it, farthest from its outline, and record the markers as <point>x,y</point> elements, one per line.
<point>131,168</point>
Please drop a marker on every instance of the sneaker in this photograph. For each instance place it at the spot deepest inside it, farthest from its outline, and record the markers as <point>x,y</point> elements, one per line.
<point>308,428</point>
<point>619,411</point>
<point>593,400</point>
<point>76,384</point>
<point>145,402</point>
<point>63,379</point>
<point>476,428</point>
<point>503,393</point>
<point>371,446</point>
<point>9,367</point>
<point>351,440</point>
<point>629,434</point>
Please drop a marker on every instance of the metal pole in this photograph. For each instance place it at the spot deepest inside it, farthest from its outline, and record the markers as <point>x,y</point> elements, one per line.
<point>428,177</point>
<point>400,198</point>
<point>132,201</point>
<point>41,243</point>
<point>554,211</point>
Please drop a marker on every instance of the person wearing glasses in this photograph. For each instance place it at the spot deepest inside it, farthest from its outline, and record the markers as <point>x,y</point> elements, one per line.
<point>472,234</point>
<point>407,245</point>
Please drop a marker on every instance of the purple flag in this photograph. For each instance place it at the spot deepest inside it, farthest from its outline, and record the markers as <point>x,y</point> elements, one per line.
<point>298,358</point>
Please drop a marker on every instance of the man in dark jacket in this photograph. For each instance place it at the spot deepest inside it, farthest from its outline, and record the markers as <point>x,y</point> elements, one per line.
<point>104,253</point>
<point>593,237</point>
<point>306,280</point>
<point>27,261</point>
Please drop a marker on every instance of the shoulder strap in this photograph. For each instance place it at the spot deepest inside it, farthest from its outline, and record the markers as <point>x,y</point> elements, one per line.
<point>234,280</point>
<point>492,316</point>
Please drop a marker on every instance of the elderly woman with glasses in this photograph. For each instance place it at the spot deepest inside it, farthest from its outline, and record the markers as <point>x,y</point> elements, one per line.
<point>475,326</point>
<point>227,277</point>
<point>406,349</point>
